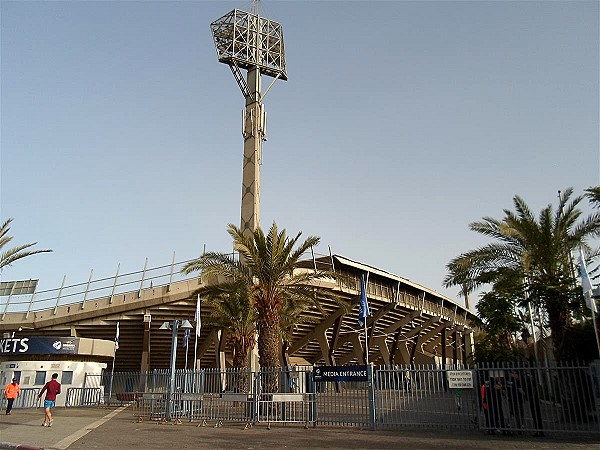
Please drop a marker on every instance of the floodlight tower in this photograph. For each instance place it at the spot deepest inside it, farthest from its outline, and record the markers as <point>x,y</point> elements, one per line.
<point>247,41</point>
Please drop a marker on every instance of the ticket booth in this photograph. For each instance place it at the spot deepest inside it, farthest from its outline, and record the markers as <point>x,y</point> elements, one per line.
<point>33,360</point>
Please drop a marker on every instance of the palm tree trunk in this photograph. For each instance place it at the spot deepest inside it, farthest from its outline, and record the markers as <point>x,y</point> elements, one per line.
<point>241,350</point>
<point>269,349</point>
<point>559,320</point>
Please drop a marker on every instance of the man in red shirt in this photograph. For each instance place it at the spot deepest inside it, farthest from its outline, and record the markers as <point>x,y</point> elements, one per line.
<point>52,389</point>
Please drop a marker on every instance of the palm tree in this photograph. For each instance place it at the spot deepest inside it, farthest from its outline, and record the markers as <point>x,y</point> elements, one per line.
<point>231,310</point>
<point>13,254</point>
<point>593,195</point>
<point>269,266</point>
<point>533,255</point>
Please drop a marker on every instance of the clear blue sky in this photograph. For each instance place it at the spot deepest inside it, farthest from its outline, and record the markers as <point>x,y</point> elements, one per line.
<point>401,123</point>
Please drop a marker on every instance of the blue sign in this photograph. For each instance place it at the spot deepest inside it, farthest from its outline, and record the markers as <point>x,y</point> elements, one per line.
<point>340,373</point>
<point>39,345</point>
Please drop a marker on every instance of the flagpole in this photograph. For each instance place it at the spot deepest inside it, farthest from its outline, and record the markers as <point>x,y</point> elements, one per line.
<point>186,355</point>
<point>363,313</point>
<point>366,345</point>
<point>197,333</point>
<point>112,371</point>
<point>595,328</point>
<point>195,351</point>
<point>588,293</point>
<point>366,336</point>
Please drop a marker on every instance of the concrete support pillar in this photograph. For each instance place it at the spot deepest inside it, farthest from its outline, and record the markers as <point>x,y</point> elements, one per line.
<point>325,350</point>
<point>413,351</point>
<point>468,346</point>
<point>379,341</point>
<point>357,350</point>
<point>220,357</point>
<point>443,344</point>
<point>455,348</point>
<point>220,347</point>
<point>401,355</point>
<point>145,365</point>
<point>253,134</point>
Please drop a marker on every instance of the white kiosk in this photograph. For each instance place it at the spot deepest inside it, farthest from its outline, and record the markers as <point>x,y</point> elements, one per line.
<point>32,360</point>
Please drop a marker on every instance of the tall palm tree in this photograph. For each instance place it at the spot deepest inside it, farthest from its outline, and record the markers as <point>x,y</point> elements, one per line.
<point>7,257</point>
<point>269,266</point>
<point>532,254</point>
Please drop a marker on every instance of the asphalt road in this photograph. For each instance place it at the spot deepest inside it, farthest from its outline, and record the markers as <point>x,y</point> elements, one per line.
<point>110,428</point>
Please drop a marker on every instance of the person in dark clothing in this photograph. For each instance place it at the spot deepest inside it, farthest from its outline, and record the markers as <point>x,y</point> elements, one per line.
<point>52,389</point>
<point>495,405</point>
<point>516,395</point>
<point>534,402</point>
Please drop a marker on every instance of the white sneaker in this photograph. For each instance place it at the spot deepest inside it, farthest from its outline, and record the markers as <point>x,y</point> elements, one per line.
<point>45,424</point>
<point>50,423</point>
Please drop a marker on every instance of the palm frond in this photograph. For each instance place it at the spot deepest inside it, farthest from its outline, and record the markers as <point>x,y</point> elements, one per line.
<point>13,254</point>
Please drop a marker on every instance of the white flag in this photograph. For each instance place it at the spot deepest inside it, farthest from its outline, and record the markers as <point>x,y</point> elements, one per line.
<point>586,283</point>
<point>117,337</point>
<point>198,318</point>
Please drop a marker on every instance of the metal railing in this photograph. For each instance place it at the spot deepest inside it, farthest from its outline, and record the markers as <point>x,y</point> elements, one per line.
<point>84,397</point>
<point>119,284</point>
<point>166,275</point>
<point>27,398</point>
<point>563,397</point>
<point>504,398</point>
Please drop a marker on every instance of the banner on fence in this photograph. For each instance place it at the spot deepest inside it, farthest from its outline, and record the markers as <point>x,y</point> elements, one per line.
<point>340,373</point>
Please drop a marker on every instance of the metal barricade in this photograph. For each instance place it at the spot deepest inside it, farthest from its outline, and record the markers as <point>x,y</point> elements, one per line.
<point>26,399</point>
<point>149,406</point>
<point>286,408</point>
<point>84,397</point>
<point>225,407</point>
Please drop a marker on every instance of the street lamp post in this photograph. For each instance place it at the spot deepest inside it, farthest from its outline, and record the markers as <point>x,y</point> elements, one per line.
<point>174,326</point>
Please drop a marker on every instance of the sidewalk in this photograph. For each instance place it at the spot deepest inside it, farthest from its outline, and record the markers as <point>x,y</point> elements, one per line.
<point>115,428</point>
<point>23,426</point>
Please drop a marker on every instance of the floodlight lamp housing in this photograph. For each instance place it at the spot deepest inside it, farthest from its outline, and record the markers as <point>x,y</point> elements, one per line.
<point>186,325</point>
<point>165,326</point>
<point>247,40</point>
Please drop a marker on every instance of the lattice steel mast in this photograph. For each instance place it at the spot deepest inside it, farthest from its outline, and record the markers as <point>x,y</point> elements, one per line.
<point>247,41</point>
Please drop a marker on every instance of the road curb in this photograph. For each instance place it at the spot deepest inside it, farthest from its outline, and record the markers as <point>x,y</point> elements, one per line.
<point>11,446</point>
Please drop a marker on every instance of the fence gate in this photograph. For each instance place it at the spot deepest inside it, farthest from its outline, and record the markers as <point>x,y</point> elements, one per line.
<point>344,395</point>
<point>409,396</point>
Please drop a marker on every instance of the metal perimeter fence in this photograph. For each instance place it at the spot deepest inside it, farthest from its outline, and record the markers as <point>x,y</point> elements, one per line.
<point>499,398</point>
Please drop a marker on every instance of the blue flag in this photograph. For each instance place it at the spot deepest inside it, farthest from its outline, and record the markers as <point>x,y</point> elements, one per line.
<point>363,306</point>
<point>186,337</point>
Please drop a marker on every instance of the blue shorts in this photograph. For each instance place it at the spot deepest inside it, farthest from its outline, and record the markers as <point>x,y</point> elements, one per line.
<point>49,403</point>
